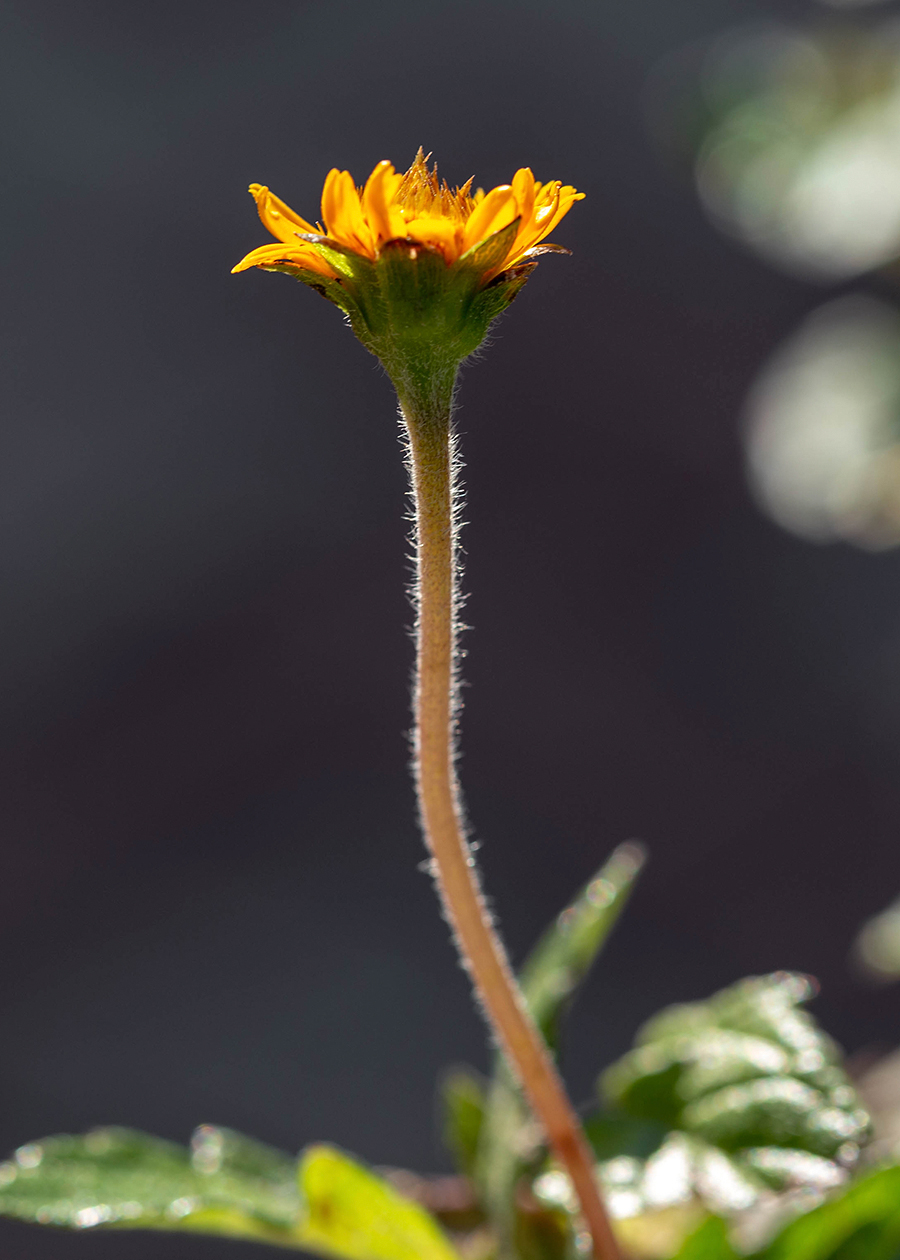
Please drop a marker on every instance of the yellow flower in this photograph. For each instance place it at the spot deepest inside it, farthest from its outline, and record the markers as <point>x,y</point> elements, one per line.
<point>414,208</point>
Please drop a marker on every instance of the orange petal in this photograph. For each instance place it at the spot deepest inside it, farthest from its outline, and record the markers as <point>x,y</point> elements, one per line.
<point>442,234</point>
<point>496,211</point>
<point>525,189</point>
<point>301,255</point>
<point>342,213</point>
<point>279,218</point>
<point>566,200</point>
<point>384,219</point>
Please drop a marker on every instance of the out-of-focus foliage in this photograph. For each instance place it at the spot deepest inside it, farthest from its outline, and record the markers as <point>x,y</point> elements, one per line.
<point>350,1212</point>
<point>823,426</point>
<point>863,1223</point>
<point>762,1118</point>
<point>746,1070</point>
<point>796,138</point>
<point>879,1088</point>
<point>877,947</point>
<point>793,137</point>
<point>730,1130</point>
<point>462,1115</point>
<point>225,1184</point>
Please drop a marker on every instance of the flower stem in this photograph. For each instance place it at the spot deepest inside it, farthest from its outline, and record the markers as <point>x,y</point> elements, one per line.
<point>428,424</point>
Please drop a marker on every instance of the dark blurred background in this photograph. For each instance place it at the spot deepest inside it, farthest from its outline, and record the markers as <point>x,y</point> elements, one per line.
<point>210,905</point>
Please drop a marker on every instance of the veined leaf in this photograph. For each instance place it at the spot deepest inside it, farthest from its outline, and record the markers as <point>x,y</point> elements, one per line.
<point>121,1178</point>
<point>745,1070</point>
<point>227,1185</point>
<point>352,1213</point>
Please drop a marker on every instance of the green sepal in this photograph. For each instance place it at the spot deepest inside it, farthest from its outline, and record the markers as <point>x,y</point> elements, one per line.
<point>418,315</point>
<point>488,254</point>
<point>328,288</point>
<point>346,262</point>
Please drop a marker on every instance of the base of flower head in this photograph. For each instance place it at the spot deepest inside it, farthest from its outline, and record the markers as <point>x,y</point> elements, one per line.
<point>408,306</point>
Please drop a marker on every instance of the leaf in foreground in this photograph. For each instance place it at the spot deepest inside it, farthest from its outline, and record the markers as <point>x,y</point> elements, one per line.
<point>353,1213</point>
<point>226,1184</point>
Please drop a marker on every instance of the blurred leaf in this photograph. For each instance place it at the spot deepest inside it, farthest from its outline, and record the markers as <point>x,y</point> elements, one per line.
<point>745,1069</point>
<point>462,1114</point>
<point>877,947</point>
<point>510,1144</point>
<point>353,1213</point>
<point>709,1242</point>
<point>121,1178</point>
<point>611,1134</point>
<point>227,1185</point>
<point>863,1223</point>
<point>566,952</point>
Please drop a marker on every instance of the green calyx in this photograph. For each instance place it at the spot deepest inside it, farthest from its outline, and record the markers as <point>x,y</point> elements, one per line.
<point>420,316</point>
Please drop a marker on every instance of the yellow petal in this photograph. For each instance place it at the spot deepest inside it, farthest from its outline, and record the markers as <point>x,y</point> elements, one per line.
<point>301,255</point>
<point>279,218</point>
<point>525,189</point>
<point>496,211</point>
<point>342,213</point>
<point>384,220</point>
<point>552,202</point>
<point>445,235</point>
<point>566,199</point>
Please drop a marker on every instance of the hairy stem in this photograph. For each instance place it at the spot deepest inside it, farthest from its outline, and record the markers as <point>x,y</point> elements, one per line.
<point>431,465</point>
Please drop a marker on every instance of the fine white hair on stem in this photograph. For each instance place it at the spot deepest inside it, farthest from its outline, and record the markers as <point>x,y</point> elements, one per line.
<point>434,465</point>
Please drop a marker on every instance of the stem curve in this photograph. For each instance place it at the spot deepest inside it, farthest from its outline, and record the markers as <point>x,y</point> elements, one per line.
<point>433,479</point>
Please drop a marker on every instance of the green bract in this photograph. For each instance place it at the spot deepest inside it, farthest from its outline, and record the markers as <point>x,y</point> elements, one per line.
<point>418,314</point>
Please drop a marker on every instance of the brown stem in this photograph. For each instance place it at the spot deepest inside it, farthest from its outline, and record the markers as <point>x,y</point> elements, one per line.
<point>432,474</point>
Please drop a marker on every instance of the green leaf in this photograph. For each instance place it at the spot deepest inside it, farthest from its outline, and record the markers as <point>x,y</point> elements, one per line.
<point>611,1134</point>
<point>744,1070</point>
<point>121,1178</point>
<point>509,1146</point>
<point>462,1114</point>
<point>226,1184</point>
<point>566,952</point>
<point>863,1223</point>
<point>352,1213</point>
<point>709,1242</point>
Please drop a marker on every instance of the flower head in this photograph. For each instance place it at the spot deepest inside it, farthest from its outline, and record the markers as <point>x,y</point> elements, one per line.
<point>415,208</point>
<point>420,269</point>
